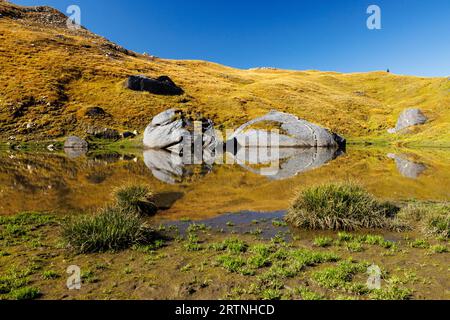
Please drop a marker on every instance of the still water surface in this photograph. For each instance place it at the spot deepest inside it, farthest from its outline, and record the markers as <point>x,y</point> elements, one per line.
<point>81,183</point>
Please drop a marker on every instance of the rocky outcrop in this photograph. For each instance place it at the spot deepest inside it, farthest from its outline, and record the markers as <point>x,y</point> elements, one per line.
<point>172,130</point>
<point>162,85</point>
<point>295,132</point>
<point>166,130</point>
<point>409,118</point>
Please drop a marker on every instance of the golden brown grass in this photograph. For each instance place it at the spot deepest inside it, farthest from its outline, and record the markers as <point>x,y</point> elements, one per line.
<point>49,75</point>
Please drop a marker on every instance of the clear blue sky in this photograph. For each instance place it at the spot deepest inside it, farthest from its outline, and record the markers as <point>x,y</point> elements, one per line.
<point>298,34</point>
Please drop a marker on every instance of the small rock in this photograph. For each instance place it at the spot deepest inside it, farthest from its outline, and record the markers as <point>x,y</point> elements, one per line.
<point>12,138</point>
<point>391,130</point>
<point>162,85</point>
<point>108,134</point>
<point>94,112</point>
<point>75,143</point>
<point>128,134</point>
<point>51,147</point>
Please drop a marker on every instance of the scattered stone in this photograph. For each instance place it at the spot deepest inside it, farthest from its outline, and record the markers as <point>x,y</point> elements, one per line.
<point>128,134</point>
<point>409,118</point>
<point>108,134</point>
<point>391,130</point>
<point>12,138</point>
<point>162,85</point>
<point>95,112</point>
<point>51,147</point>
<point>104,133</point>
<point>75,143</point>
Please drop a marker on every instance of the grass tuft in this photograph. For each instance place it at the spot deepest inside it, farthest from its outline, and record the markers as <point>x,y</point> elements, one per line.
<point>112,229</point>
<point>136,199</point>
<point>340,207</point>
<point>24,293</point>
<point>391,293</point>
<point>339,277</point>
<point>323,242</point>
<point>432,219</point>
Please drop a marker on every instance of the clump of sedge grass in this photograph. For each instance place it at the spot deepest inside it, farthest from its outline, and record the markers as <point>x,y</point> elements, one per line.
<point>431,219</point>
<point>111,230</point>
<point>340,207</point>
<point>136,199</point>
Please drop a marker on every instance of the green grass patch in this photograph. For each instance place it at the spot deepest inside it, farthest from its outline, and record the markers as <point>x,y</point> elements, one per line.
<point>439,248</point>
<point>309,258</point>
<point>258,261</point>
<point>233,245</point>
<point>193,243</point>
<point>194,227</point>
<point>14,285</point>
<point>354,246</point>
<point>340,276</point>
<point>271,294</point>
<point>231,262</point>
<point>24,293</point>
<point>307,294</point>
<point>391,293</point>
<point>420,244</point>
<point>50,275</point>
<point>279,223</point>
<point>89,276</point>
<point>323,242</point>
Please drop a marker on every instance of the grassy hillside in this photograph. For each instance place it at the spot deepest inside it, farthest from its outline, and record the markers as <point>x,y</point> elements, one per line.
<point>50,75</point>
